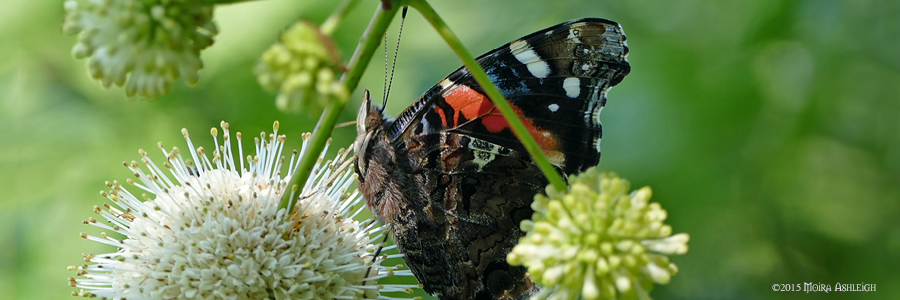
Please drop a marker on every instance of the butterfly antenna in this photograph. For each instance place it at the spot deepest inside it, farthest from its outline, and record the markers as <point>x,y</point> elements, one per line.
<point>387,89</point>
<point>385,84</point>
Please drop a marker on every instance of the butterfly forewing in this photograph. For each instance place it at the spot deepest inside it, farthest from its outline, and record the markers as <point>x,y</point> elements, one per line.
<point>557,79</point>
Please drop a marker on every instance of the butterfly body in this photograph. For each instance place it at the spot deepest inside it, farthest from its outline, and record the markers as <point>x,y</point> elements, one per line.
<point>453,182</point>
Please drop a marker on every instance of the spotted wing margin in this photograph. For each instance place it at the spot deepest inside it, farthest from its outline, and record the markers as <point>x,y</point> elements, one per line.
<point>557,78</point>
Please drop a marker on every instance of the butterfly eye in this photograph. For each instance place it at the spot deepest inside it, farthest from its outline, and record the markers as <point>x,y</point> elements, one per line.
<point>372,120</point>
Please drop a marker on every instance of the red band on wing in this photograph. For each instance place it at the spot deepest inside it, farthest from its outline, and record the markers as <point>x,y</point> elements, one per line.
<point>467,102</point>
<point>473,105</point>
<point>440,112</point>
<point>495,122</point>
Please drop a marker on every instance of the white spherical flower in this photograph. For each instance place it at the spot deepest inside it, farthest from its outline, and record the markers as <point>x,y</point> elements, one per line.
<point>597,241</point>
<point>213,228</point>
<point>143,45</point>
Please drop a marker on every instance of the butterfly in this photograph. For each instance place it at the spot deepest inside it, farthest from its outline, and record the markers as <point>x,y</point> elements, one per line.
<point>451,180</point>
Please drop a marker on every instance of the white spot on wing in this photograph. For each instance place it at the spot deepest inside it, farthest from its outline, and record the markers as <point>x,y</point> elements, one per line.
<point>574,33</point>
<point>553,107</point>
<point>597,144</point>
<point>482,159</point>
<point>572,85</point>
<point>595,114</point>
<point>484,152</point>
<point>523,52</point>
<point>598,92</point>
<point>445,84</point>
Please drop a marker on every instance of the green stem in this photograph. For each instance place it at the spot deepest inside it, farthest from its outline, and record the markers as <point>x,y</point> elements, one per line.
<point>368,43</point>
<point>492,92</point>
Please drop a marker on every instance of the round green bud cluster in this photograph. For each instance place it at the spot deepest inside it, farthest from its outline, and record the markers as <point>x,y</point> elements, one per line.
<point>303,66</point>
<point>144,45</point>
<point>597,241</point>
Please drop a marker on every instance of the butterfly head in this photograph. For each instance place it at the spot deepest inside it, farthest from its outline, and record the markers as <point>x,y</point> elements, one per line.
<point>374,154</point>
<point>369,123</point>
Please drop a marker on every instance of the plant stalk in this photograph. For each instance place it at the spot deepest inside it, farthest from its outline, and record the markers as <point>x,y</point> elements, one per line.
<point>368,43</point>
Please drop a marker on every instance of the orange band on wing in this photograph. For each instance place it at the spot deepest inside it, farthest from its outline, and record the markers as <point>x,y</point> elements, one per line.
<point>440,112</point>
<point>495,122</point>
<point>467,102</point>
<point>473,105</point>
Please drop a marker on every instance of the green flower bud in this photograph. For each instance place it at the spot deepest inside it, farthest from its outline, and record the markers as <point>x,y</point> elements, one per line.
<point>304,68</point>
<point>597,241</point>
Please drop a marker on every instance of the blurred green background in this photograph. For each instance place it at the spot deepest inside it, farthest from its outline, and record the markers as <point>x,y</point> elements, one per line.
<point>769,130</point>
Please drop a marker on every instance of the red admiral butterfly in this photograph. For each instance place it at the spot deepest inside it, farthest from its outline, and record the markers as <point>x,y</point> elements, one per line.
<point>453,182</point>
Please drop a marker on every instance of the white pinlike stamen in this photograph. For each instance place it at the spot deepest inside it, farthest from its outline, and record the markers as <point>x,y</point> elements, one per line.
<point>214,210</point>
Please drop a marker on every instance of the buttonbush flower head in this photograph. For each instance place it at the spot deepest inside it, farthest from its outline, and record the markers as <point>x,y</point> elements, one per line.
<point>597,241</point>
<point>211,228</point>
<point>144,45</point>
<point>303,67</point>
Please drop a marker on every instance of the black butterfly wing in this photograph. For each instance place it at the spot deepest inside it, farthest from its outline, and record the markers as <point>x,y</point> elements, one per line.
<point>556,79</point>
<point>476,180</point>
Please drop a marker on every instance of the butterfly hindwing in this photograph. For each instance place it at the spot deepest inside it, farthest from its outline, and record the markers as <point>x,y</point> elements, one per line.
<point>453,182</point>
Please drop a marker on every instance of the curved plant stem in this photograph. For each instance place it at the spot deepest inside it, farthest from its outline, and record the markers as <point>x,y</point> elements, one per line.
<point>492,92</point>
<point>368,43</point>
